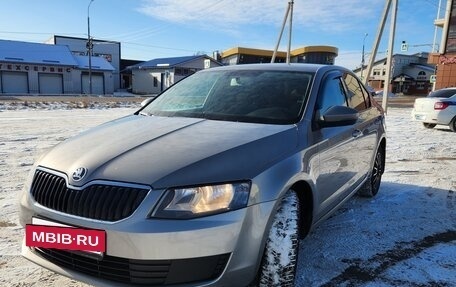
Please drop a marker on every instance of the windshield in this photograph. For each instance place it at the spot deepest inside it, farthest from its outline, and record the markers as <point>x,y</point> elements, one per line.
<point>273,97</point>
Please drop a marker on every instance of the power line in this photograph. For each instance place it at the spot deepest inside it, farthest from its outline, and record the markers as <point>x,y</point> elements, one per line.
<point>139,34</point>
<point>432,3</point>
<point>147,32</point>
<point>159,47</point>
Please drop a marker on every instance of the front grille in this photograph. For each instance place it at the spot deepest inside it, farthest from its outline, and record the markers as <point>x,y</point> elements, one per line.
<point>97,201</point>
<point>140,272</point>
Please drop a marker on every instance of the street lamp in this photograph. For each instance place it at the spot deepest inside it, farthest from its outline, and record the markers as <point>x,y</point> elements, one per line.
<point>362,56</point>
<point>89,47</point>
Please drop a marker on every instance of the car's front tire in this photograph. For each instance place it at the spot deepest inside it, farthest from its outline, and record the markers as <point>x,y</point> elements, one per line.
<point>278,267</point>
<point>372,185</point>
<point>429,125</point>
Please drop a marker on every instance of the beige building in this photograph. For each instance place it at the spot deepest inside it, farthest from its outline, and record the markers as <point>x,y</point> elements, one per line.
<point>310,54</point>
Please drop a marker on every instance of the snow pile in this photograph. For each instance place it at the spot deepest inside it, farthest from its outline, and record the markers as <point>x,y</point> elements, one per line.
<point>66,105</point>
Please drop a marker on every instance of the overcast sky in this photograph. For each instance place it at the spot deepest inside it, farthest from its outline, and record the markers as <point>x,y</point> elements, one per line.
<point>165,28</point>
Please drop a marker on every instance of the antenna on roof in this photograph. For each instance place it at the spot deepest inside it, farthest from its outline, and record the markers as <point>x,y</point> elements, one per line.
<point>289,11</point>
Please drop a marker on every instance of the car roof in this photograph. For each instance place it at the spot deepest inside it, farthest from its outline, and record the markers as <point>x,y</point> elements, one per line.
<point>442,93</point>
<point>298,67</point>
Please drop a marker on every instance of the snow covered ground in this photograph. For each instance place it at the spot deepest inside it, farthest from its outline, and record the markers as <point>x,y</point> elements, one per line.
<point>406,236</point>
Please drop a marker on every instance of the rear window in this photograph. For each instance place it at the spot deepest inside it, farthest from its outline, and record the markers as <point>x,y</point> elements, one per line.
<point>446,93</point>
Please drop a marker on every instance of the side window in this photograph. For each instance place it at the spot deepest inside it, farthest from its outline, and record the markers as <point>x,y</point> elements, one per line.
<point>355,93</point>
<point>332,94</point>
<point>366,95</point>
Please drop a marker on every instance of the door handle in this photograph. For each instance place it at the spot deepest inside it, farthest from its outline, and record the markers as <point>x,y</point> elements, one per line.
<point>356,133</point>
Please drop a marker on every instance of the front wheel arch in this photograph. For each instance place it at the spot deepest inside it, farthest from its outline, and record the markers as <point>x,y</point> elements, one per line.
<point>306,202</point>
<point>372,184</point>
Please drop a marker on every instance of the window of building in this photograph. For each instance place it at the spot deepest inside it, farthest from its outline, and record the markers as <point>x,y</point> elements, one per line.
<point>420,85</point>
<point>421,76</point>
<point>155,82</point>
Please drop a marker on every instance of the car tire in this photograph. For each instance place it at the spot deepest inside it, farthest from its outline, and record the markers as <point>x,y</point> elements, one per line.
<point>372,185</point>
<point>429,125</point>
<point>453,125</point>
<point>278,266</point>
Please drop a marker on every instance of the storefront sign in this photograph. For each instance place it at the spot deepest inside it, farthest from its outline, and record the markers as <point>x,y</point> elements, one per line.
<point>447,60</point>
<point>26,68</point>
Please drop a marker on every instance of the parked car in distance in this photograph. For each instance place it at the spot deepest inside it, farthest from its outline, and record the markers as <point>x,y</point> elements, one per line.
<point>438,108</point>
<point>212,183</point>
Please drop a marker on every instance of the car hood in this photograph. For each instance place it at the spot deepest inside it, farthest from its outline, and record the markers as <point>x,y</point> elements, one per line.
<point>163,152</point>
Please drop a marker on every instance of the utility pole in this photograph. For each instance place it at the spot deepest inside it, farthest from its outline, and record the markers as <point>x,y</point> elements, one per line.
<point>290,26</point>
<point>89,47</point>
<point>289,11</point>
<point>390,48</point>
<point>362,56</point>
<point>434,50</point>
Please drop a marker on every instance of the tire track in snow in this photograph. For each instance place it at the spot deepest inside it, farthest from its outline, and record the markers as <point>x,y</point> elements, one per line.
<point>451,198</point>
<point>360,271</point>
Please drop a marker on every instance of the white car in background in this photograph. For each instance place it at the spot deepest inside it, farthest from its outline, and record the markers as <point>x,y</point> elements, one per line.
<point>438,108</point>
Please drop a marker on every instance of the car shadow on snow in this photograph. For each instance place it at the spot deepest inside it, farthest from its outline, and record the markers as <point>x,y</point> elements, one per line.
<point>366,238</point>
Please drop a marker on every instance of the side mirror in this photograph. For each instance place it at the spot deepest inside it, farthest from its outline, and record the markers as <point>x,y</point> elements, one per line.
<point>339,116</point>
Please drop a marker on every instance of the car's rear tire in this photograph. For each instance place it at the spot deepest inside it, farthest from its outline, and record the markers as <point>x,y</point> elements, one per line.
<point>453,125</point>
<point>429,125</point>
<point>372,185</point>
<point>278,266</point>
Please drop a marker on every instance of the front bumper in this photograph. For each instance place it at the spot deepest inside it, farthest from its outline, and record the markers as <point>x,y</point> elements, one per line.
<point>218,250</point>
<point>121,271</point>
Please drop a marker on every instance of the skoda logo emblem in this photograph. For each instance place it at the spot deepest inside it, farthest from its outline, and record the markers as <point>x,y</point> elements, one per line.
<point>79,173</point>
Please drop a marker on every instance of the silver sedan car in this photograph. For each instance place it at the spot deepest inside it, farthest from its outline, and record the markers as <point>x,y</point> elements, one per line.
<point>212,183</point>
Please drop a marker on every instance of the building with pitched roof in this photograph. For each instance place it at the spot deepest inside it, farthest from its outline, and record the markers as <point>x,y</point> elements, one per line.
<point>155,76</point>
<point>35,68</point>
<point>411,74</point>
<point>109,50</point>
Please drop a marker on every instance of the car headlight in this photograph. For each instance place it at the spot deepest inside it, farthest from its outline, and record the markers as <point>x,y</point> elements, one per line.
<point>191,202</point>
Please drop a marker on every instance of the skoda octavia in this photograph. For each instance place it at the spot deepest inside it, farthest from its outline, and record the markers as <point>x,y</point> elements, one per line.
<point>212,183</point>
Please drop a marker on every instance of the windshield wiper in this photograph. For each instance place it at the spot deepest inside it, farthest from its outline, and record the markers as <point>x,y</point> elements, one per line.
<point>145,114</point>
